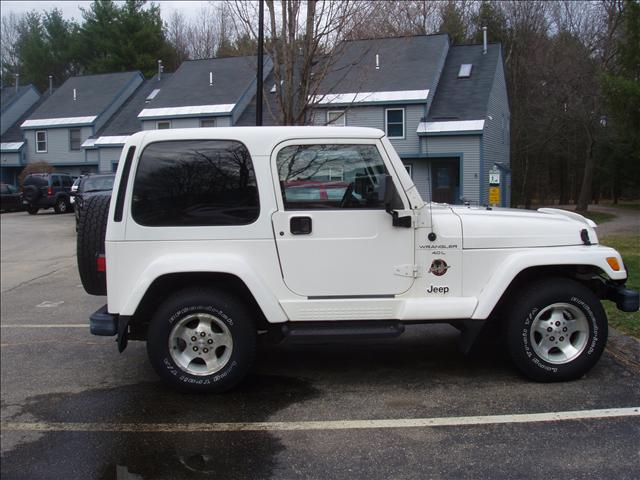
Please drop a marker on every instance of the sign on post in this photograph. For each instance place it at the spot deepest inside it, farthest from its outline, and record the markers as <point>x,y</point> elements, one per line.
<point>494,186</point>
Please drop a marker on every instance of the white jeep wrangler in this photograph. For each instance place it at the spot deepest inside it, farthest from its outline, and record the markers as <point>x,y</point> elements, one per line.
<point>215,236</point>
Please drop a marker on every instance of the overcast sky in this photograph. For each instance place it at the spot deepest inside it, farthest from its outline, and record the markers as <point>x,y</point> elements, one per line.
<point>71,9</point>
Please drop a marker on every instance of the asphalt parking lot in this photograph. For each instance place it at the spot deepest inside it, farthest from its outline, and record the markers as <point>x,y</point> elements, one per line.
<point>73,407</point>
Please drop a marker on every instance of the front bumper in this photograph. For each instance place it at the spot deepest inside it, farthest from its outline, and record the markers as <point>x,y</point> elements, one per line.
<point>625,299</point>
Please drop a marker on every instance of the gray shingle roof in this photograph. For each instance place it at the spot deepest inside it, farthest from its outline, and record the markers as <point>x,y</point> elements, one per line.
<point>465,98</point>
<point>189,85</point>
<point>94,94</point>
<point>14,133</point>
<point>125,121</point>
<point>9,94</point>
<point>406,63</point>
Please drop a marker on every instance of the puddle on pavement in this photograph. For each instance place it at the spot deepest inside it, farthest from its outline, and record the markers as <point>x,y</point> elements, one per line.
<point>146,455</point>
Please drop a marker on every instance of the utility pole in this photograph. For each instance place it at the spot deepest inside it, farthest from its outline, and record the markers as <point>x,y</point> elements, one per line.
<point>259,79</point>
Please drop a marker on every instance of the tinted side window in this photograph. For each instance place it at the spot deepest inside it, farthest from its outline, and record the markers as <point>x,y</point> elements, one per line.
<point>195,183</point>
<point>67,181</point>
<point>35,180</point>
<point>55,181</point>
<point>331,176</point>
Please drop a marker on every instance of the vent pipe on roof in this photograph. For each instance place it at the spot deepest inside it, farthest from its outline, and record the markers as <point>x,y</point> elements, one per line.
<point>50,84</point>
<point>17,81</point>
<point>211,79</point>
<point>160,69</point>
<point>75,96</point>
<point>484,40</point>
<point>377,62</point>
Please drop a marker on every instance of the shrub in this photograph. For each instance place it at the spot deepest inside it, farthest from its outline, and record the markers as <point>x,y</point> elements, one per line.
<point>36,167</point>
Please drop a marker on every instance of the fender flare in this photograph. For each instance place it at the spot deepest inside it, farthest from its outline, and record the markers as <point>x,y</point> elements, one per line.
<point>497,285</point>
<point>212,263</point>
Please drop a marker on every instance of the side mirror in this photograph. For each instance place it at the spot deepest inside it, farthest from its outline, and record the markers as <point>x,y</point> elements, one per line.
<point>390,195</point>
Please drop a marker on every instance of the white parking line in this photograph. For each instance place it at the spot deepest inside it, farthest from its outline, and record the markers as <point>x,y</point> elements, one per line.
<point>48,325</point>
<point>320,425</point>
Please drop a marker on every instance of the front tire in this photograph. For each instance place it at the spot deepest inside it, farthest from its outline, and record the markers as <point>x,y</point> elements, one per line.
<point>61,206</point>
<point>201,340</point>
<point>32,210</point>
<point>557,330</point>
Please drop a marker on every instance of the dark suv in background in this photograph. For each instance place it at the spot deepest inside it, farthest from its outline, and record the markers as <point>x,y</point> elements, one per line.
<point>90,186</point>
<point>47,190</point>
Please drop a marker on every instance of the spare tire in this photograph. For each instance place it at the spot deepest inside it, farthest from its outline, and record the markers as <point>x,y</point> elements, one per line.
<point>31,193</point>
<point>92,228</point>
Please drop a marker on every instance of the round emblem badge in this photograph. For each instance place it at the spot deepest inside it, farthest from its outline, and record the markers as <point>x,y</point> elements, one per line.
<point>439,267</point>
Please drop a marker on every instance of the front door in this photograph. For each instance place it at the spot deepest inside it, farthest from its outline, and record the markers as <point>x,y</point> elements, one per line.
<point>445,181</point>
<point>334,237</point>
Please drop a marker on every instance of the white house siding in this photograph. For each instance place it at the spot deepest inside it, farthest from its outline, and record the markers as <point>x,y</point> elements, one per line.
<point>108,158</point>
<point>420,175</point>
<point>223,121</point>
<point>126,92</point>
<point>58,151</point>
<point>496,139</point>
<point>469,147</point>
<point>17,108</point>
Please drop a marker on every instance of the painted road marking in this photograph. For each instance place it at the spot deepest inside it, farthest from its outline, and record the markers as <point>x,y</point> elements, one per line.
<point>320,425</point>
<point>48,325</point>
<point>49,304</point>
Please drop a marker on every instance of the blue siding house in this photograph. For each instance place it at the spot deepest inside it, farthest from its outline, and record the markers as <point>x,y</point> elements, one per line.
<point>56,130</point>
<point>444,108</point>
<point>16,104</point>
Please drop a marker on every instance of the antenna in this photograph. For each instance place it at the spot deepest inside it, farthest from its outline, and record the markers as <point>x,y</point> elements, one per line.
<point>432,236</point>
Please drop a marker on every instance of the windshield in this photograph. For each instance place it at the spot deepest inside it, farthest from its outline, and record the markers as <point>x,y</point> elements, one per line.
<point>98,184</point>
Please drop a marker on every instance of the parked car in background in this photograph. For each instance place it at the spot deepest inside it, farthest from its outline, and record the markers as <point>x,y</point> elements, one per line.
<point>74,189</point>
<point>91,186</point>
<point>10,198</point>
<point>47,190</point>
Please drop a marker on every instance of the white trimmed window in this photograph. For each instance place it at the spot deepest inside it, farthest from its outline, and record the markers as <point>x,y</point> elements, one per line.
<point>337,118</point>
<point>75,142</point>
<point>207,122</point>
<point>163,125</point>
<point>41,141</point>
<point>409,169</point>
<point>394,122</point>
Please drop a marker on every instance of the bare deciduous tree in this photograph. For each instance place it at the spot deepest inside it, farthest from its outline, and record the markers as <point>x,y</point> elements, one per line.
<point>303,39</point>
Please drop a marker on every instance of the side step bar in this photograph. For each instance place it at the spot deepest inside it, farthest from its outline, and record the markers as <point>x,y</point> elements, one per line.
<point>331,331</point>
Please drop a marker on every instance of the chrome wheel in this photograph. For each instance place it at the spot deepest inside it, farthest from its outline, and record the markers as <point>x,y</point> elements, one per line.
<point>200,344</point>
<point>559,333</point>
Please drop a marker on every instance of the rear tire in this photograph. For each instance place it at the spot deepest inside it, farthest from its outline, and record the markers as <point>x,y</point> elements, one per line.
<point>557,330</point>
<point>201,340</point>
<point>92,228</point>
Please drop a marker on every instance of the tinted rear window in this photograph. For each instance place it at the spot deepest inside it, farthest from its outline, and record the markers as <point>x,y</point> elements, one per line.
<point>195,183</point>
<point>37,180</point>
<point>98,184</point>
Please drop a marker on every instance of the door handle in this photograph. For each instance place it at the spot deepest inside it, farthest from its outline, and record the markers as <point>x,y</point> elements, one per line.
<point>300,225</point>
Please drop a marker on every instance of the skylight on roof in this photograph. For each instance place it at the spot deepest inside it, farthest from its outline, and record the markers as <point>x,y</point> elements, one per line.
<point>153,94</point>
<point>465,70</point>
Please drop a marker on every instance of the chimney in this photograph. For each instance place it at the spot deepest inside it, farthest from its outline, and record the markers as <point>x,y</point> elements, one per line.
<point>75,96</point>
<point>50,84</point>
<point>484,40</point>
<point>160,68</point>
<point>211,79</point>
<point>377,62</point>
<point>17,81</point>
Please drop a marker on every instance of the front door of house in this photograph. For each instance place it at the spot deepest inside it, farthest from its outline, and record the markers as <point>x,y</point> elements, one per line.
<point>445,180</point>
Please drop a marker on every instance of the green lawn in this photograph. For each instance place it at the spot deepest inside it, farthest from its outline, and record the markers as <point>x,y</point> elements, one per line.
<point>598,217</point>
<point>629,248</point>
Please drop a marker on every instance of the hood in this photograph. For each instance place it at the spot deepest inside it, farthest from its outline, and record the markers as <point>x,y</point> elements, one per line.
<point>513,228</point>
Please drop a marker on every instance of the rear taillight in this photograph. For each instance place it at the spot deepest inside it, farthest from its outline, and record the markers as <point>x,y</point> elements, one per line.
<point>50,191</point>
<point>101,264</point>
